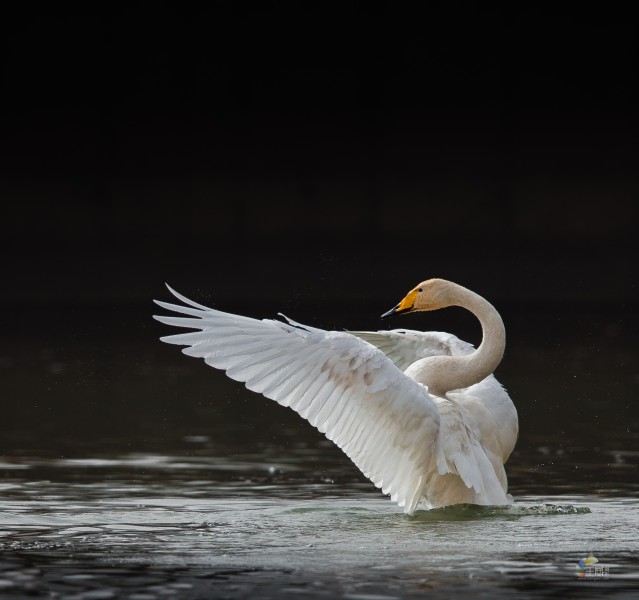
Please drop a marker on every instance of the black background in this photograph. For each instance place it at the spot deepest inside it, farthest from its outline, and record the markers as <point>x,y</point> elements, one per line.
<point>328,154</point>
<point>320,162</point>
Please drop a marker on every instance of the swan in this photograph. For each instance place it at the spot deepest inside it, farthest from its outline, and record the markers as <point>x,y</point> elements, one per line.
<point>419,413</point>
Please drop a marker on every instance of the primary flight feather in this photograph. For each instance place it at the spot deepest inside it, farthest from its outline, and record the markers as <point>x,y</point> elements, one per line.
<point>420,414</point>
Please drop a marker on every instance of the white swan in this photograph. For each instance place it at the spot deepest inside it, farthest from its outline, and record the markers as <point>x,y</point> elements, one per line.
<point>420,414</point>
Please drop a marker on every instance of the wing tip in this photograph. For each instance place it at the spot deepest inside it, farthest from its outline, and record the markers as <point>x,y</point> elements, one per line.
<point>184,299</point>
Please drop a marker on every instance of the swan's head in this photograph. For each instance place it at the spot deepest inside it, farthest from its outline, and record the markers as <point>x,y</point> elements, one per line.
<point>428,295</point>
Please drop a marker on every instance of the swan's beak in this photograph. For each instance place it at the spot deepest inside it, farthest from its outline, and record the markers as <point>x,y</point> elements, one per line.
<point>392,311</point>
<point>406,305</point>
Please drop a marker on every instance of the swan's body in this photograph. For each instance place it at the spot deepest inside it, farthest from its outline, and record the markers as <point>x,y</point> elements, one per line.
<point>420,414</point>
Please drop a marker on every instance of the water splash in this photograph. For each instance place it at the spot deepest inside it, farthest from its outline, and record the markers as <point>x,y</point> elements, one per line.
<point>471,512</point>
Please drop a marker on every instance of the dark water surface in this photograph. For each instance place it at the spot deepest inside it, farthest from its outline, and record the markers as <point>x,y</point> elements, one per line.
<point>130,471</point>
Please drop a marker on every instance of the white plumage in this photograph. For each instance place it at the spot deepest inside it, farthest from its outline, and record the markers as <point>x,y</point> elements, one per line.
<point>351,386</point>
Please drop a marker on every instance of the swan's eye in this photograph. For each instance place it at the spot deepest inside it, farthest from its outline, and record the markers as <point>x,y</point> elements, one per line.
<point>420,290</point>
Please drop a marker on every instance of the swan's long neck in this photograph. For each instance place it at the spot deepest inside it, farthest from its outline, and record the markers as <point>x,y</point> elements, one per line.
<point>487,357</point>
<point>447,373</point>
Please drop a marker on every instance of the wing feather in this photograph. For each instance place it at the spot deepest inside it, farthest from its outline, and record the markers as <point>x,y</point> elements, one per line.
<point>346,387</point>
<point>405,346</point>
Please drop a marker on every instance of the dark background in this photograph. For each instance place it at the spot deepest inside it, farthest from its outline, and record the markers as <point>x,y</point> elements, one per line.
<point>319,161</point>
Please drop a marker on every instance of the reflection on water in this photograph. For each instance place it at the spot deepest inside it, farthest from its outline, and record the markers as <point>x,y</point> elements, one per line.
<point>127,472</point>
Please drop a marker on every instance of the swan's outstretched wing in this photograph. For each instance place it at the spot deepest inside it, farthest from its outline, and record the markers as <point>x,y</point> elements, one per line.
<point>405,346</point>
<point>383,420</point>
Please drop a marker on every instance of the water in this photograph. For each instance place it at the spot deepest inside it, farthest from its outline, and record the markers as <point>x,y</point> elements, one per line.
<point>131,472</point>
<point>296,521</point>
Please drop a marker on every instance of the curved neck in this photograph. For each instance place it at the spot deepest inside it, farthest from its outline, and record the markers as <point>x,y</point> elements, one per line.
<point>487,357</point>
<point>448,373</point>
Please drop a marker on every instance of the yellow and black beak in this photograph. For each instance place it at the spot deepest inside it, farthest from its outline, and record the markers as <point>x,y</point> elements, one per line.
<point>406,305</point>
